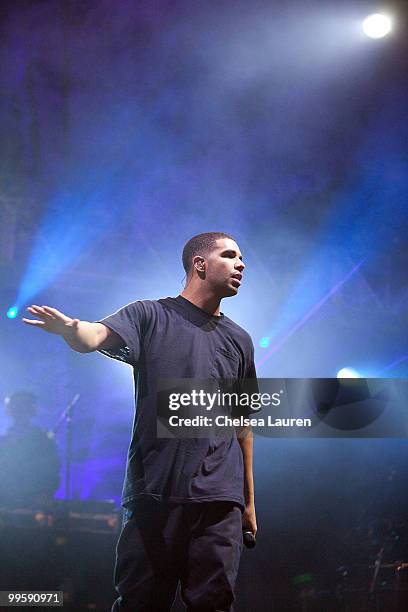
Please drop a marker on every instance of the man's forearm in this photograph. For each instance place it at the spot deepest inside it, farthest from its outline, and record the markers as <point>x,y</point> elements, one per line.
<point>83,339</point>
<point>246,441</point>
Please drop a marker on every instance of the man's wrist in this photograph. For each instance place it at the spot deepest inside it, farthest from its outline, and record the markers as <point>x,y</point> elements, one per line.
<point>76,338</point>
<point>69,334</point>
<point>67,330</point>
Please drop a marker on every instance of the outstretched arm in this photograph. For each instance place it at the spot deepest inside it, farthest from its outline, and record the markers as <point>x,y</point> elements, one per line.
<point>81,336</point>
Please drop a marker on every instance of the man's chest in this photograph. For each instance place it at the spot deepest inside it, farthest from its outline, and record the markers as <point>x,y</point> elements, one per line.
<point>175,349</point>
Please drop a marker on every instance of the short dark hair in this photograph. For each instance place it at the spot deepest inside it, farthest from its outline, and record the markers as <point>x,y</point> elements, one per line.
<point>200,245</point>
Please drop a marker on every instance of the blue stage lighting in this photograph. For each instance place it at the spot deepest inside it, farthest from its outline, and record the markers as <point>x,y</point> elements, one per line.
<point>264,342</point>
<point>12,312</point>
<point>348,373</point>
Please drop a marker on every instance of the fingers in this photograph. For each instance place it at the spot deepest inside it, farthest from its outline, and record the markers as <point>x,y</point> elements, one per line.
<point>37,312</point>
<point>50,319</point>
<point>45,311</point>
<point>35,308</point>
<point>53,311</point>
<point>34,322</point>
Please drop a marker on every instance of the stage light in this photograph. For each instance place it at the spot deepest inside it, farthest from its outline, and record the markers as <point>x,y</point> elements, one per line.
<point>377,25</point>
<point>264,342</point>
<point>12,312</point>
<point>348,373</point>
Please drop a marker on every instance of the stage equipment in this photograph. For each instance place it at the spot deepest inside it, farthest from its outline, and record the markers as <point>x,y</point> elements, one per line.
<point>67,547</point>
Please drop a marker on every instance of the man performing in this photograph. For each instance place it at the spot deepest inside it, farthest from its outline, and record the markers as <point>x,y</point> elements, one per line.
<point>186,500</point>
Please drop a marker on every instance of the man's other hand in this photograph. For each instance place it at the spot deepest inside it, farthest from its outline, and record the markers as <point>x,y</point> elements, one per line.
<point>249,519</point>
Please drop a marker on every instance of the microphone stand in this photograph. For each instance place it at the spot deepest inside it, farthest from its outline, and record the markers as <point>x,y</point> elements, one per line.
<point>66,415</point>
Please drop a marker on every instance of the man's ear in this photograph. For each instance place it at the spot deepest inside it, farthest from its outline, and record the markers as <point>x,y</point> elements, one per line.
<point>199,263</point>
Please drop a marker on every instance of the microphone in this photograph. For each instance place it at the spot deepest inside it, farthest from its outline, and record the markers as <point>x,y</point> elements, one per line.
<point>249,539</point>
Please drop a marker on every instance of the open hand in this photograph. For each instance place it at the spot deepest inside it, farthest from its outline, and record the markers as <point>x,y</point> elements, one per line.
<point>51,320</point>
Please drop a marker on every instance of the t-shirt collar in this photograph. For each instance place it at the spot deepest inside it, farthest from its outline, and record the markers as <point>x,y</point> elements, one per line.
<point>186,302</point>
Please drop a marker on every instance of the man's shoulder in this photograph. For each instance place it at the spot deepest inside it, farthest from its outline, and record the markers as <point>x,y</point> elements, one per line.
<point>147,305</point>
<point>147,310</point>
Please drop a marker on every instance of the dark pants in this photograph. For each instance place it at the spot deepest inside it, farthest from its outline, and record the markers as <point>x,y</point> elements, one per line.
<point>198,544</point>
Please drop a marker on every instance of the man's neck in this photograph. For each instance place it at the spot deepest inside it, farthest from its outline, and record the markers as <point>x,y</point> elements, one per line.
<point>208,303</point>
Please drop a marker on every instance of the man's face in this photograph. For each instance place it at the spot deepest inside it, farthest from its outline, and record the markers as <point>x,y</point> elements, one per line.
<point>224,268</point>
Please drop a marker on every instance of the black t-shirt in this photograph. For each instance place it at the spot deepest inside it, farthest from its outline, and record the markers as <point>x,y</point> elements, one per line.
<point>173,338</point>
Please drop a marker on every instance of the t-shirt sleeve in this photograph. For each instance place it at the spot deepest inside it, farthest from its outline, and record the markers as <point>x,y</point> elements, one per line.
<point>128,322</point>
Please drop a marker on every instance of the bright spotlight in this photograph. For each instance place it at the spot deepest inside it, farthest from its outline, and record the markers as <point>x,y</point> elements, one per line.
<point>377,25</point>
<point>348,373</point>
<point>264,342</point>
<point>12,312</point>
